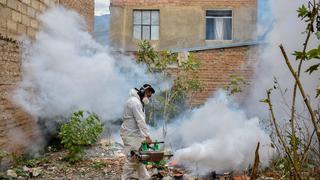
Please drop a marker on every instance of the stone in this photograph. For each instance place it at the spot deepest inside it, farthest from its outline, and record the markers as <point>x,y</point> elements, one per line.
<point>24,8</point>
<point>35,4</point>
<point>3,1</point>
<point>16,16</point>
<point>46,2</point>
<point>25,20</point>
<point>22,178</point>
<point>31,12</point>
<point>36,171</point>
<point>5,13</point>
<point>26,1</point>
<point>12,173</point>
<point>34,23</point>
<point>11,25</point>
<point>31,32</point>
<point>22,29</point>
<point>13,4</point>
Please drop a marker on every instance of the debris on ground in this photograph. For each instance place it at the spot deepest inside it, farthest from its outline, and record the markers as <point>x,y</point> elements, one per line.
<point>101,161</point>
<point>12,173</point>
<point>36,171</point>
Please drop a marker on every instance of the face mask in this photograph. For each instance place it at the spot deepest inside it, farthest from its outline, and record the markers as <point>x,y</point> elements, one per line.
<point>145,100</point>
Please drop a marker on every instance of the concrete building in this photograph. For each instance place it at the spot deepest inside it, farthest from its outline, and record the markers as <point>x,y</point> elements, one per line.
<point>220,33</point>
<point>172,24</point>
<point>19,17</point>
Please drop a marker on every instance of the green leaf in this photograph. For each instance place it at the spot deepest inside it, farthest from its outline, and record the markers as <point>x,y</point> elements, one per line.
<point>318,35</point>
<point>298,54</point>
<point>313,53</point>
<point>318,92</point>
<point>264,101</point>
<point>302,12</point>
<point>80,132</point>
<point>313,68</point>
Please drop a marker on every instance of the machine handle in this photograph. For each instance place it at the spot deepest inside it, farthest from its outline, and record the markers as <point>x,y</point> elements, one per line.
<point>160,142</point>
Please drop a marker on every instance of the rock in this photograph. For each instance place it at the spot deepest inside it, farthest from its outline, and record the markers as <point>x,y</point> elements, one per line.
<point>26,169</point>
<point>105,143</point>
<point>265,178</point>
<point>167,178</point>
<point>189,177</point>
<point>52,168</point>
<point>36,171</point>
<point>116,163</point>
<point>22,178</point>
<point>119,154</point>
<point>12,173</point>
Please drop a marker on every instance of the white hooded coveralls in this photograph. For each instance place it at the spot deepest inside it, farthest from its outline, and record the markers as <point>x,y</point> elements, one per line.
<point>133,132</point>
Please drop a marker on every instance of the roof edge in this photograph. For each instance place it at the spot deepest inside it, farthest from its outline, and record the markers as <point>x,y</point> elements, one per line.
<point>223,46</point>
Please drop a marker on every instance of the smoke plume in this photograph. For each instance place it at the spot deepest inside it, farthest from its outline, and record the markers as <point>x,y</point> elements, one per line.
<point>66,70</point>
<point>286,29</point>
<point>222,136</point>
<point>219,136</point>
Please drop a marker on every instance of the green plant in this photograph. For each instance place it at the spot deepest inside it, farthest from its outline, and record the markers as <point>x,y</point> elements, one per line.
<point>33,162</point>
<point>235,85</point>
<point>79,132</point>
<point>21,172</point>
<point>98,165</point>
<point>172,101</point>
<point>18,159</point>
<point>4,154</point>
<point>299,153</point>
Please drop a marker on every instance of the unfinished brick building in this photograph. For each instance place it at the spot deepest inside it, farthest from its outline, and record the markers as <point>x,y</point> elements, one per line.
<point>221,33</point>
<point>18,17</point>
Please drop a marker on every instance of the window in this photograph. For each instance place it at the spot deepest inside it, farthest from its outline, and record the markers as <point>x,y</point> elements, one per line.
<point>146,24</point>
<point>219,25</point>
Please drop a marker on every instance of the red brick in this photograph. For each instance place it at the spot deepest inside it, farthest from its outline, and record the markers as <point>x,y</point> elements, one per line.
<point>217,66</point>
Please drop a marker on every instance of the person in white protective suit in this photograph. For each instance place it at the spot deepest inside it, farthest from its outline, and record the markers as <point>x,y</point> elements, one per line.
<point>134,131</point>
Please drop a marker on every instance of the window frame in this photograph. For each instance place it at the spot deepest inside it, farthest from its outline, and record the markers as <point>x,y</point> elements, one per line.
<point>141,25</point>
<point>232,24</point>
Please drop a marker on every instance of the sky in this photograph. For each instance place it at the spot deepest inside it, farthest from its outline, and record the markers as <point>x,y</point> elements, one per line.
<point>264,11</point>
<point>101,7</point>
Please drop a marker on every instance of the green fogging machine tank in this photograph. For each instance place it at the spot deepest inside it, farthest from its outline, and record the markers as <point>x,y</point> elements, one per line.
<point>151,154</point>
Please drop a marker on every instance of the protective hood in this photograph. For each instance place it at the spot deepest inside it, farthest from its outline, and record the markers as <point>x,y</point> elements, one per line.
<point>134,93</point>
<point>134,124</point>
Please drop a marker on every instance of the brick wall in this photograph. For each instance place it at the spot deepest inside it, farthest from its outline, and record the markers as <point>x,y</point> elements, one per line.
<point>19,17</point>
<point>231,3</point>
<point>83,7</point>
<point>18,130</point>
<point>217,66</point>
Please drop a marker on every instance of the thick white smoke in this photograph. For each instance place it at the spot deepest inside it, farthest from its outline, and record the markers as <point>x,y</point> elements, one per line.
<point>222,136</point>
<point>66,70</point>
<point>287,29</point>
<point>219,136</point>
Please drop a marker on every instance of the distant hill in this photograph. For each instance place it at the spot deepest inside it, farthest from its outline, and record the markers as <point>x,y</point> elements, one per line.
<point>101,28</point>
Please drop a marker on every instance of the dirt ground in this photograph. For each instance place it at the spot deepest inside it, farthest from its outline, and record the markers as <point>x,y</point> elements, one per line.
<point>99,162</point>
<point>102,161</point>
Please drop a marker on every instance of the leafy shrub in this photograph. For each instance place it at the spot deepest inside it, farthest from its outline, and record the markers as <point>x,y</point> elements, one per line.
<point>171,102</point>
<point>79,132</point>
